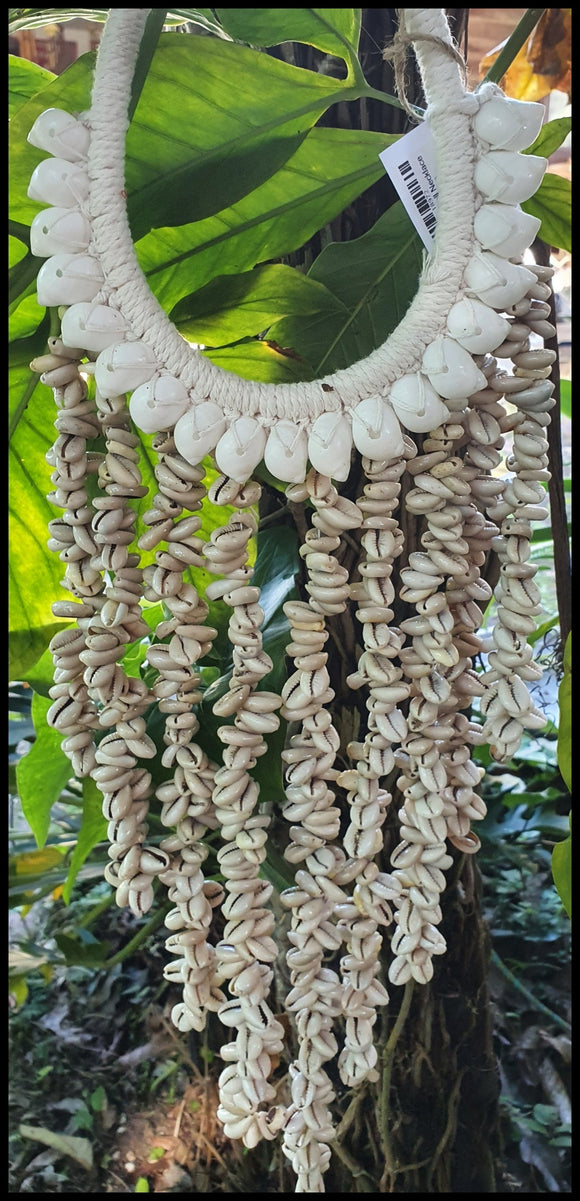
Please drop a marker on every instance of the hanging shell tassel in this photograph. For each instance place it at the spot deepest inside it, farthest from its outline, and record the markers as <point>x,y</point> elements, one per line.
<point>73,712</point>
<point>433,663</point>
<point>186,798</point>
<point>247,948</point>
<point>122,699</point>
<point>387,726</point>
<point>508,707</point>
<point>315,996</point>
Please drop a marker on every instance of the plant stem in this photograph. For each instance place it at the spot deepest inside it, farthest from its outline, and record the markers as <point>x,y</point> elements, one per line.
<point>525,991</point>
<point>387,1064</point>
<point>138,939</point>
<point>513,45</point>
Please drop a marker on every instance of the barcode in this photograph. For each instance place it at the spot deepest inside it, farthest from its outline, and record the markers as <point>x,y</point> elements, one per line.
<point>418,196</point>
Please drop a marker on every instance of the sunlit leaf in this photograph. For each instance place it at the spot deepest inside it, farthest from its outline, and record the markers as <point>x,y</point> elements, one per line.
<point>261,361</point>
<point>552,203</point>
<point>42,773</point>
<point>333,30</point>
<point>25,79</point>
<point>550,137</point>
<point>562,871</point>
<point>93,831</point>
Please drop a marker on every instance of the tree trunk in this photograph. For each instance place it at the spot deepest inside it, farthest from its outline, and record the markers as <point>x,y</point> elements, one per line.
<point>431,1122</point>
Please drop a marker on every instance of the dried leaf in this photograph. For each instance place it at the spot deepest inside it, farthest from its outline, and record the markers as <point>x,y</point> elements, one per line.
<point>543,63</point>
<point>66,1144</point>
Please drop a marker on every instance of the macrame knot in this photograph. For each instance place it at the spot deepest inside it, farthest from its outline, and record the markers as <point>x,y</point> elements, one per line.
<point>396,54</point>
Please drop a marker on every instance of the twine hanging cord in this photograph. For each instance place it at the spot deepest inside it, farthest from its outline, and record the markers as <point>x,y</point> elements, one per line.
<point>397,54</point>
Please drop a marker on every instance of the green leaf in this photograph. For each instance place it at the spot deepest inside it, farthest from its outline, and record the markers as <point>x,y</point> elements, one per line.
<point>79,1149</point>
<point>235,106</point>
<point>550,137</point>
<point>142,1185</point>
<point>93,830</point>
<point>336,31</point>
<point>566,397</point>
<point>43,773</point>
<point>330,169</point>
<point>25,79</point>
<point>374,278</point>
<point>34,573</point>
<point>564,751</point>
<point>552,203</point>
<point>260,361</point>
<point>232,307</point>
<point>562,871</point>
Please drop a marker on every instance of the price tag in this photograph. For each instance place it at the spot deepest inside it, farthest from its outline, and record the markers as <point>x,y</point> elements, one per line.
<point>410,163</point>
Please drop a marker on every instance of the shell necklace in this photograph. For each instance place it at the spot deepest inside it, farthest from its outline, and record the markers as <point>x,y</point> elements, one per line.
<point>437,374</point>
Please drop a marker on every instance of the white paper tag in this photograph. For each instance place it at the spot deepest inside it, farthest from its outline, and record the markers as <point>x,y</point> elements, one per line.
<point>411,165</point>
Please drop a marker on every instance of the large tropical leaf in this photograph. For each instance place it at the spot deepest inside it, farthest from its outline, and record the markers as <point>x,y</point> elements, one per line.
<point>552,203</point>
<point>372,281</point>
<point>334,30</point>
<point>330,169</point>
<point>25,80</point>
<point>232,307</point>
<point>227,139</point>
<point>42,773</point>
<point>93,831</point>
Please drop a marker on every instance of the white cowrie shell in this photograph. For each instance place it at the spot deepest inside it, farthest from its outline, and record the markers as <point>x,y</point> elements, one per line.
<point>330,445</point>
<point>509,177</point>
<point>286,453</point>
<point>508,124</point>
<point>496,281</point>
<point>417,404</point>
<point>476,326</point>
<point>67,278</point>
<point>375,429</point>
<point>241,448</point>
<point>505,229</point>
<point>198,431</point>
<point>56,181</point>
<point>158,404</point>
<point>59,230</point>
<point>92,326</point>
<point>60,133</point>
<point>451,369</point>
<point>124,366</point>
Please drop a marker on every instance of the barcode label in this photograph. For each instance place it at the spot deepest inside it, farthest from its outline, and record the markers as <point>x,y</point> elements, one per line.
<point>410,163</point>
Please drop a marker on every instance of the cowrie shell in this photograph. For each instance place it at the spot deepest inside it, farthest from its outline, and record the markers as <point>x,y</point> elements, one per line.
<point>505,229</point>
<point>375,429</point>
<point>451,369</point>
<point>417,405</point>
<point>158,403</point>
<point>509,177</point>
<point>330,445</point>
<point>61,134</point>
<point>476,326</point>
<point>508,124</point>
<point>68,278</point>
<point>241,448</point>
<point>286,453</point>
<point>58,230</point>
<point>58,182</point>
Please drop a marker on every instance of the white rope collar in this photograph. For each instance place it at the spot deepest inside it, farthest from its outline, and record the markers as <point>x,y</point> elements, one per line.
<point>174,380</point>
